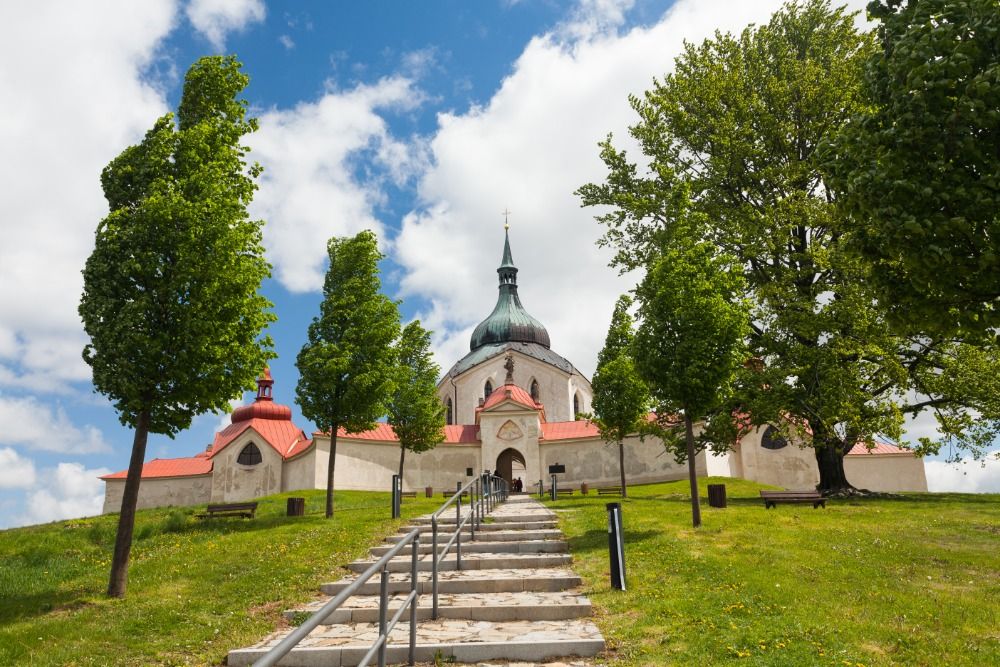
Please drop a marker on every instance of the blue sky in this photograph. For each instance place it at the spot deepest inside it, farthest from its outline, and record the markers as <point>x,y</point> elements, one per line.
<point>421,120</point>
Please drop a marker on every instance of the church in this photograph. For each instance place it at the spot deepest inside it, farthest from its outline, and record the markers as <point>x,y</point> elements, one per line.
<point>512,406</point>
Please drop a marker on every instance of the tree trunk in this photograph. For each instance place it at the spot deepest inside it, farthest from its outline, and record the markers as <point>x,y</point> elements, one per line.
<point>621,467</point>
<point>402,453</point>
<point>331,465</point>
<point>692,473</point>
<point>830,461</point>
<point>126,519</point>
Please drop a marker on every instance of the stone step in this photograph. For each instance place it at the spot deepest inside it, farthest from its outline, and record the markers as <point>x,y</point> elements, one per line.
<point>529,606</point>
<point>461,640</point>
<point>483,527</point>
<point>521,517</point>
<point>470,561</point>
<point>484,545</point>
<point>491,536</point>
<point>468,581</point>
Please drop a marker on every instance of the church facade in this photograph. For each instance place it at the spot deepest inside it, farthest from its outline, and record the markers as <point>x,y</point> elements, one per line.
<point>513,406</point>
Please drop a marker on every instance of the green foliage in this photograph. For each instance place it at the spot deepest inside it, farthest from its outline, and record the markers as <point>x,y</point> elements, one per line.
<point>919,165</point>
<point>693,328</point>
<point>908,580</point>
<point>732,139</point>
<point>346,367</point>
<point>621,398</point>
<point>170,298</point>
<point>415,411</point>
<point>196,591</point>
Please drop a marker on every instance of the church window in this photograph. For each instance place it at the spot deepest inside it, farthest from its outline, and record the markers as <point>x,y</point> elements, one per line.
<point>488,389</point>
<point>576,406</point>
<point>534,390</point>
<point>449,410</point>
<point>772,439</point>
<point>250,456</point>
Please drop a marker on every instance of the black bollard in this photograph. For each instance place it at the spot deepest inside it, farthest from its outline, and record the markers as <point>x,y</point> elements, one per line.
<point>616,545</point>
<point>553,490</point>
<point>396,496</point>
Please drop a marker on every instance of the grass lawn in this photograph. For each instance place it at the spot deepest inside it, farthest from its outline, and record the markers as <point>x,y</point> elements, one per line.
<point>196,588</point>
<point>910,581</point>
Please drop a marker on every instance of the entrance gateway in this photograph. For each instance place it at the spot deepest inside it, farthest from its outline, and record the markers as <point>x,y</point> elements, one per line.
<point>509,462</point>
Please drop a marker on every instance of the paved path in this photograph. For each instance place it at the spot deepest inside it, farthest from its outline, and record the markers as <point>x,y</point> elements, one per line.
<point>514,602</point>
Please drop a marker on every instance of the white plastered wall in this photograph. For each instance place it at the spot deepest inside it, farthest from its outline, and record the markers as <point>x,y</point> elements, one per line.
<point>160,492</point>
<point>234,482</point>
<point>595,462</point>
<point>886,473</point>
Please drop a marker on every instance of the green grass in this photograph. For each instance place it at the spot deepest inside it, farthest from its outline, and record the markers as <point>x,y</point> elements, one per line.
<point>908,581</point>
<point>196,588</point>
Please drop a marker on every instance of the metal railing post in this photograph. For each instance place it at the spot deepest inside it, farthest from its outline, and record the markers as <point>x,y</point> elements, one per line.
<point>383,606</point>
<point>458,529</point>
<point>472,512</point>
<point>434,567</point>
<point>416,597</point>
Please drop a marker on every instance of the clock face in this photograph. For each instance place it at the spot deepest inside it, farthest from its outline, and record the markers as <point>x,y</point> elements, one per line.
<point>772,439</point>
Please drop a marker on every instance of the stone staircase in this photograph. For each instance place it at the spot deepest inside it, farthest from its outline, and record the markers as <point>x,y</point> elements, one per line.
<point>515,599</point>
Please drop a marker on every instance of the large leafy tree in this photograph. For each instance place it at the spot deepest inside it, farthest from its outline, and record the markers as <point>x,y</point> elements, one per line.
<point>346,367</point>
<point>621,399</point>
<point>170,296</point>
<point>415,411</point>
<point>919,165</point>
<point>691,340</point>
<point>731,137</point>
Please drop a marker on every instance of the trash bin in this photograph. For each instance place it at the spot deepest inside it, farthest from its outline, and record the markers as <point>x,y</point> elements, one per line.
<point>429,491</point>
<point>716,495</point>
<point>296,507</point>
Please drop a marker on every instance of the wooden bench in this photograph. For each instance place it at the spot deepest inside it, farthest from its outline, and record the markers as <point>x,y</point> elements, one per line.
<point>772,498</point>
<point>246,510</point>
<point>449,494</point>
<point>564,492</point>
<point>407,494</point>
<point>609,491</point>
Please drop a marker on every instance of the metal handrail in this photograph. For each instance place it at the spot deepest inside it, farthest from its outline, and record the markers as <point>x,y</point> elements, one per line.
<point>490,489</point>
<point>283,647</point>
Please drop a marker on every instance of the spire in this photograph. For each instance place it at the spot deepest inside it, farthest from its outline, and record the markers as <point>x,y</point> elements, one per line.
<point>509,321</point>
<point>264,384</point>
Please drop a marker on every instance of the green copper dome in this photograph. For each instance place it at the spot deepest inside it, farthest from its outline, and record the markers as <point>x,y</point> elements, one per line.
<point>509,321</point>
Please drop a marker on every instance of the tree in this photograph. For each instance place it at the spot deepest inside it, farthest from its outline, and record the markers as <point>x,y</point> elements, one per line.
<point>919,165</point>
<point>731,138</point>
<point>170,298</point>
<point>691,340</point>
<point>415,411</point>
<point>621,399</point>
<point>346,367</point>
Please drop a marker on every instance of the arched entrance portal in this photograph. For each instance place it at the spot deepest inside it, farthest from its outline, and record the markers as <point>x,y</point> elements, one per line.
<point>510,465</point>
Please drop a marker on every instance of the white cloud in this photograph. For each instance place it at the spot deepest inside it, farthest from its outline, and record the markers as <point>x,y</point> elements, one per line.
<point>15,472</point>
<point>309,190</point>
<point>67,491</point>
<point>216,18</point>
<point>529,148</point>
<point>966,477</point>
<point>286,41</point>
<point>36,426</point>
<point>75,72</point>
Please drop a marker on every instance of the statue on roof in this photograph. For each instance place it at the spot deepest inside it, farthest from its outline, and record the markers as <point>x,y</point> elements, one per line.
<point>509,365</point>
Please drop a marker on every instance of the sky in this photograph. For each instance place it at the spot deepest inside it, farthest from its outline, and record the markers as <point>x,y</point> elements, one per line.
<point>421,121</point>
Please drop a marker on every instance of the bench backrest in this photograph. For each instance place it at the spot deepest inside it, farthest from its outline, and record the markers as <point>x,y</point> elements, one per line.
<point>231,506</point>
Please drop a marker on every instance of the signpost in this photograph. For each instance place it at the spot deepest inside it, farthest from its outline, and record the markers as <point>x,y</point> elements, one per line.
<point>616,545</point>
<point>553,469</point>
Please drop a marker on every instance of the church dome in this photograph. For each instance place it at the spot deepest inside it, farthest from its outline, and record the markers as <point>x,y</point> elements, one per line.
<point>509,321</point>
<point>264,406</point>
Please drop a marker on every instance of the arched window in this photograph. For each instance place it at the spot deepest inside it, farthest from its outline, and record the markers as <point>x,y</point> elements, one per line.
<point>449,407</point>
<point>250,456</point>
<point>488,389</point>
<point>772,439</point>
<point>534,390</point>
<point>576,405</point>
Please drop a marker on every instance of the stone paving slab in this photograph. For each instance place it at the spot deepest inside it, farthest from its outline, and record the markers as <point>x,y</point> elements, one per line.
<point>469,581</point>
<point>464,640</point>
<point>493,536</point>
<point>532,606</point>
<point>470,561</point>
<point>484,545</point>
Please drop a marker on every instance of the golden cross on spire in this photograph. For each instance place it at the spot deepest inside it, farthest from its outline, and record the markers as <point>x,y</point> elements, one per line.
<point>505,213</point>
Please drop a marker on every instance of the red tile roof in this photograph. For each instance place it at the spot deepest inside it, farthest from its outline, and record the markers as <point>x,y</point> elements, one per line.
<point>513,393</point>
<point>569,430</point>
<point>461,433</point>
<point>182,467</point>
<point>283,436</point>
<point>880,448</point>
<point>456,434</point>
